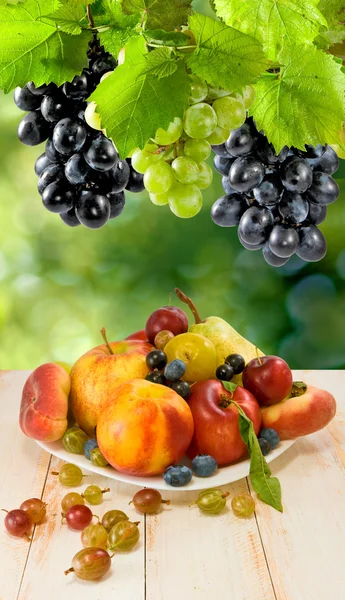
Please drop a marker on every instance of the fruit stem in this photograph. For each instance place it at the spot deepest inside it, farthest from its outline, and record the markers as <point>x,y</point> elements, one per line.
<point>104,336</point>
<point>165,501</point>
<point>226,494</point>
<point>69,571</point>
<point>90,16</point>
<point>54,472</point>
<point>258,355</point>
<point>4,509</point>
<point>189,303</point>
<point>105,490</point>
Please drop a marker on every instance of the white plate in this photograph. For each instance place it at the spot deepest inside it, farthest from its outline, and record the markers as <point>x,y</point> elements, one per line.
<point>223,476</point>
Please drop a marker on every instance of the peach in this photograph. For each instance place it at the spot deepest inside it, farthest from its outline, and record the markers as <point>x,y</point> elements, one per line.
<point>146,428</point>
<point>44,405</point>
<point>300,415</point>
<point>95,375</point>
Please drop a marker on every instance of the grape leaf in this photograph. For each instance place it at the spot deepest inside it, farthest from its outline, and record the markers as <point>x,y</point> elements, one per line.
<point>304,104</point>
<point>160,63</point>
<point>224,57</point>
<point>334,12</point>
<point>160,14</point>
<point>275,23</point>
<point>69,17</point>
<point>133,104</point>
<point>166,38</point>
<point>32,49</point>
<point>121,27</point>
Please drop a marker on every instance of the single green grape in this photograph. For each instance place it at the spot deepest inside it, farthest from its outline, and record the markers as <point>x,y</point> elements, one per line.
<point>123,536</point>
<point>71,499</point>
<point>90,564</point>
<point>97,458</point>
<point>185,169</point>
<point>69,475</point>
<point>219,136</point>
<point>112,517</point>
<point>214,93</point>
<point>198,90</point>
<point>94,495</point>
<point>74,440</point>
<point>185,201</point>
<point>205,176</point>
<point>212,501</point>
<point>200,120</point>
<point>198,150</point>
<point>231,112</point>
<point>92,118</point>
<point>142,159</point>
<point>159,199</point>
<point>243,505</point>
<point>94,536</point>
<point>158,178</point>
<point>172,134</point>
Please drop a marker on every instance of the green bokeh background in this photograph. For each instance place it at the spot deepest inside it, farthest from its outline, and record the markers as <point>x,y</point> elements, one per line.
<point>59,286</point>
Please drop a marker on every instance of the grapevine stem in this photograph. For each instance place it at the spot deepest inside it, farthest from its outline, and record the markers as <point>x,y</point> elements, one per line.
<point>90,16</point>
<point>171,47</point>
<point>189,303</point>
<point>104,336</point>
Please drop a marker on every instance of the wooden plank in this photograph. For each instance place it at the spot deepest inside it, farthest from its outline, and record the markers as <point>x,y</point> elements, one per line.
<point>23,471</point>
<point>305,546</point>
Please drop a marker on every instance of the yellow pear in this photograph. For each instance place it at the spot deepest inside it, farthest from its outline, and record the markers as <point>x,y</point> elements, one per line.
<point>225,338</point>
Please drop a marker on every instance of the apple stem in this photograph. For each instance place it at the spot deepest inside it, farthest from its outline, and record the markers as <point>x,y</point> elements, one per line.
<point>258,355</point>
<point>189,303</point>
<point>104,336</point>
<point>4,509</point>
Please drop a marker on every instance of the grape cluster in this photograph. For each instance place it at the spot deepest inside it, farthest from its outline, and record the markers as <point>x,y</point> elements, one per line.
<point>80,174</point>
<point>168,374</point>
<point>173,162</point>
<point>277,200</point>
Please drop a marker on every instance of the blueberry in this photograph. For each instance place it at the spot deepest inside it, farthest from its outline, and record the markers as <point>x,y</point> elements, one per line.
<point>236,361</point>
<point>224,373</point>
<point>91,444</point>
<point>156,377</point>
<point>182,388</point>
<point>264,445</point>
<point>156,359</point>
<point>177,475</point>
<point>175,370</point>
<point>204,465</point>
<point>271,436</point>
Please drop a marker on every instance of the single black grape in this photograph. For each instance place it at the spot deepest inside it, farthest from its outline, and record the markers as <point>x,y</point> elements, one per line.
<point>52,172</point>
<point>120,175</point>
<point>272,259</point>
<point>77,170</point>
<point>222,164</point>
<point>42,163</point>
<point>241,141</point>
<point>220,150</point>
<point>57,198</point>
<point>42,89</point>
<point>54,108</point>
<point>156,359</point>
<point>293,208</point>
<point>269,190</point>
<point>237,362</point>
<point>224,372</point>
<point>312,244</point>
<point>328,162</point>
<point>228,210</point>
<point>117,203</point>
<point>33,129</point>
<point>101,155</point>
<point>52,153</point>
<point>228,189</point>
<point>25,100</point>
<point>251,247</point>
<point>103,65</point>
<point>70,218</point>
<point>182,388</point>
<point>283,241</point>
<point>266,151</point>
<point>69,136</point>
<point>79,88</point>
<point>317,213</point>
<point>324,189</point>
<point>136,182</point>
<point>156,377</point>
<point>255,225</point>
<point>246,173</point>
<point>296,174</point>
<point>93,210</point>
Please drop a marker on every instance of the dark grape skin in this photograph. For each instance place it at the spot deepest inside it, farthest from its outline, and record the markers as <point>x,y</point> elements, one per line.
<point>266,152</point>
<point>25,100</point>
<point>272,259</point>
<point>296,174</point>
<point>228,210</point>
<point>324,189</point>
<point>77,171</point>
<point>101,155</point>
<point>316,214</point>
<point>241,141</point>
<point>255,225</point>
<point>117,203</point>
<point>57,199</point>
<point>269,190</point>
<point>33,129</point>
<point>246,173</point>
<point>42,89</point>
<point>251,247</point>
<point>136,182</point>
<point>293,208</point>
<point>312,244</point>
<point>222,164</point>
<point>328,162</point>
<point>54,108</point>
<point>69,136</point>
<point>79,88</point>
<point>92,209</point>
<point>42,163</point>
<point>311,151</point>
<point>70,218</point>
<point>52,153</point>
<point>228,189</point>
<point>103,65</point>
<point>283,241</point>
<point>220,150</point>
<point>119,176</point>
<point>52,172</point>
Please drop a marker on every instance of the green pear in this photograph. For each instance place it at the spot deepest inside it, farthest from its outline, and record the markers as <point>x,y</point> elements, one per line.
<point>225,338</point>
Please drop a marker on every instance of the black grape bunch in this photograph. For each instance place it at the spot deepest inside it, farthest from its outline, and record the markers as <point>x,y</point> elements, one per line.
<point>81,177</point>
<point>277,201</point>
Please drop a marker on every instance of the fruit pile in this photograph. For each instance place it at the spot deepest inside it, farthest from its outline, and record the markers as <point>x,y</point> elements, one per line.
<point>276,201</point>
<point>81,177</point>
<point>169,392</point>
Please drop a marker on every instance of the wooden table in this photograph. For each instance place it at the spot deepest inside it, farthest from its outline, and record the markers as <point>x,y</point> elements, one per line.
<point>182,554</point>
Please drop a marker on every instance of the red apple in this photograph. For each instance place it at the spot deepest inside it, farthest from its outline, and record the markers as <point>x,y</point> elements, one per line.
<point>268,378</point>
<point>138,335</point>
<point>169,317</point>
<point>216,430</point>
